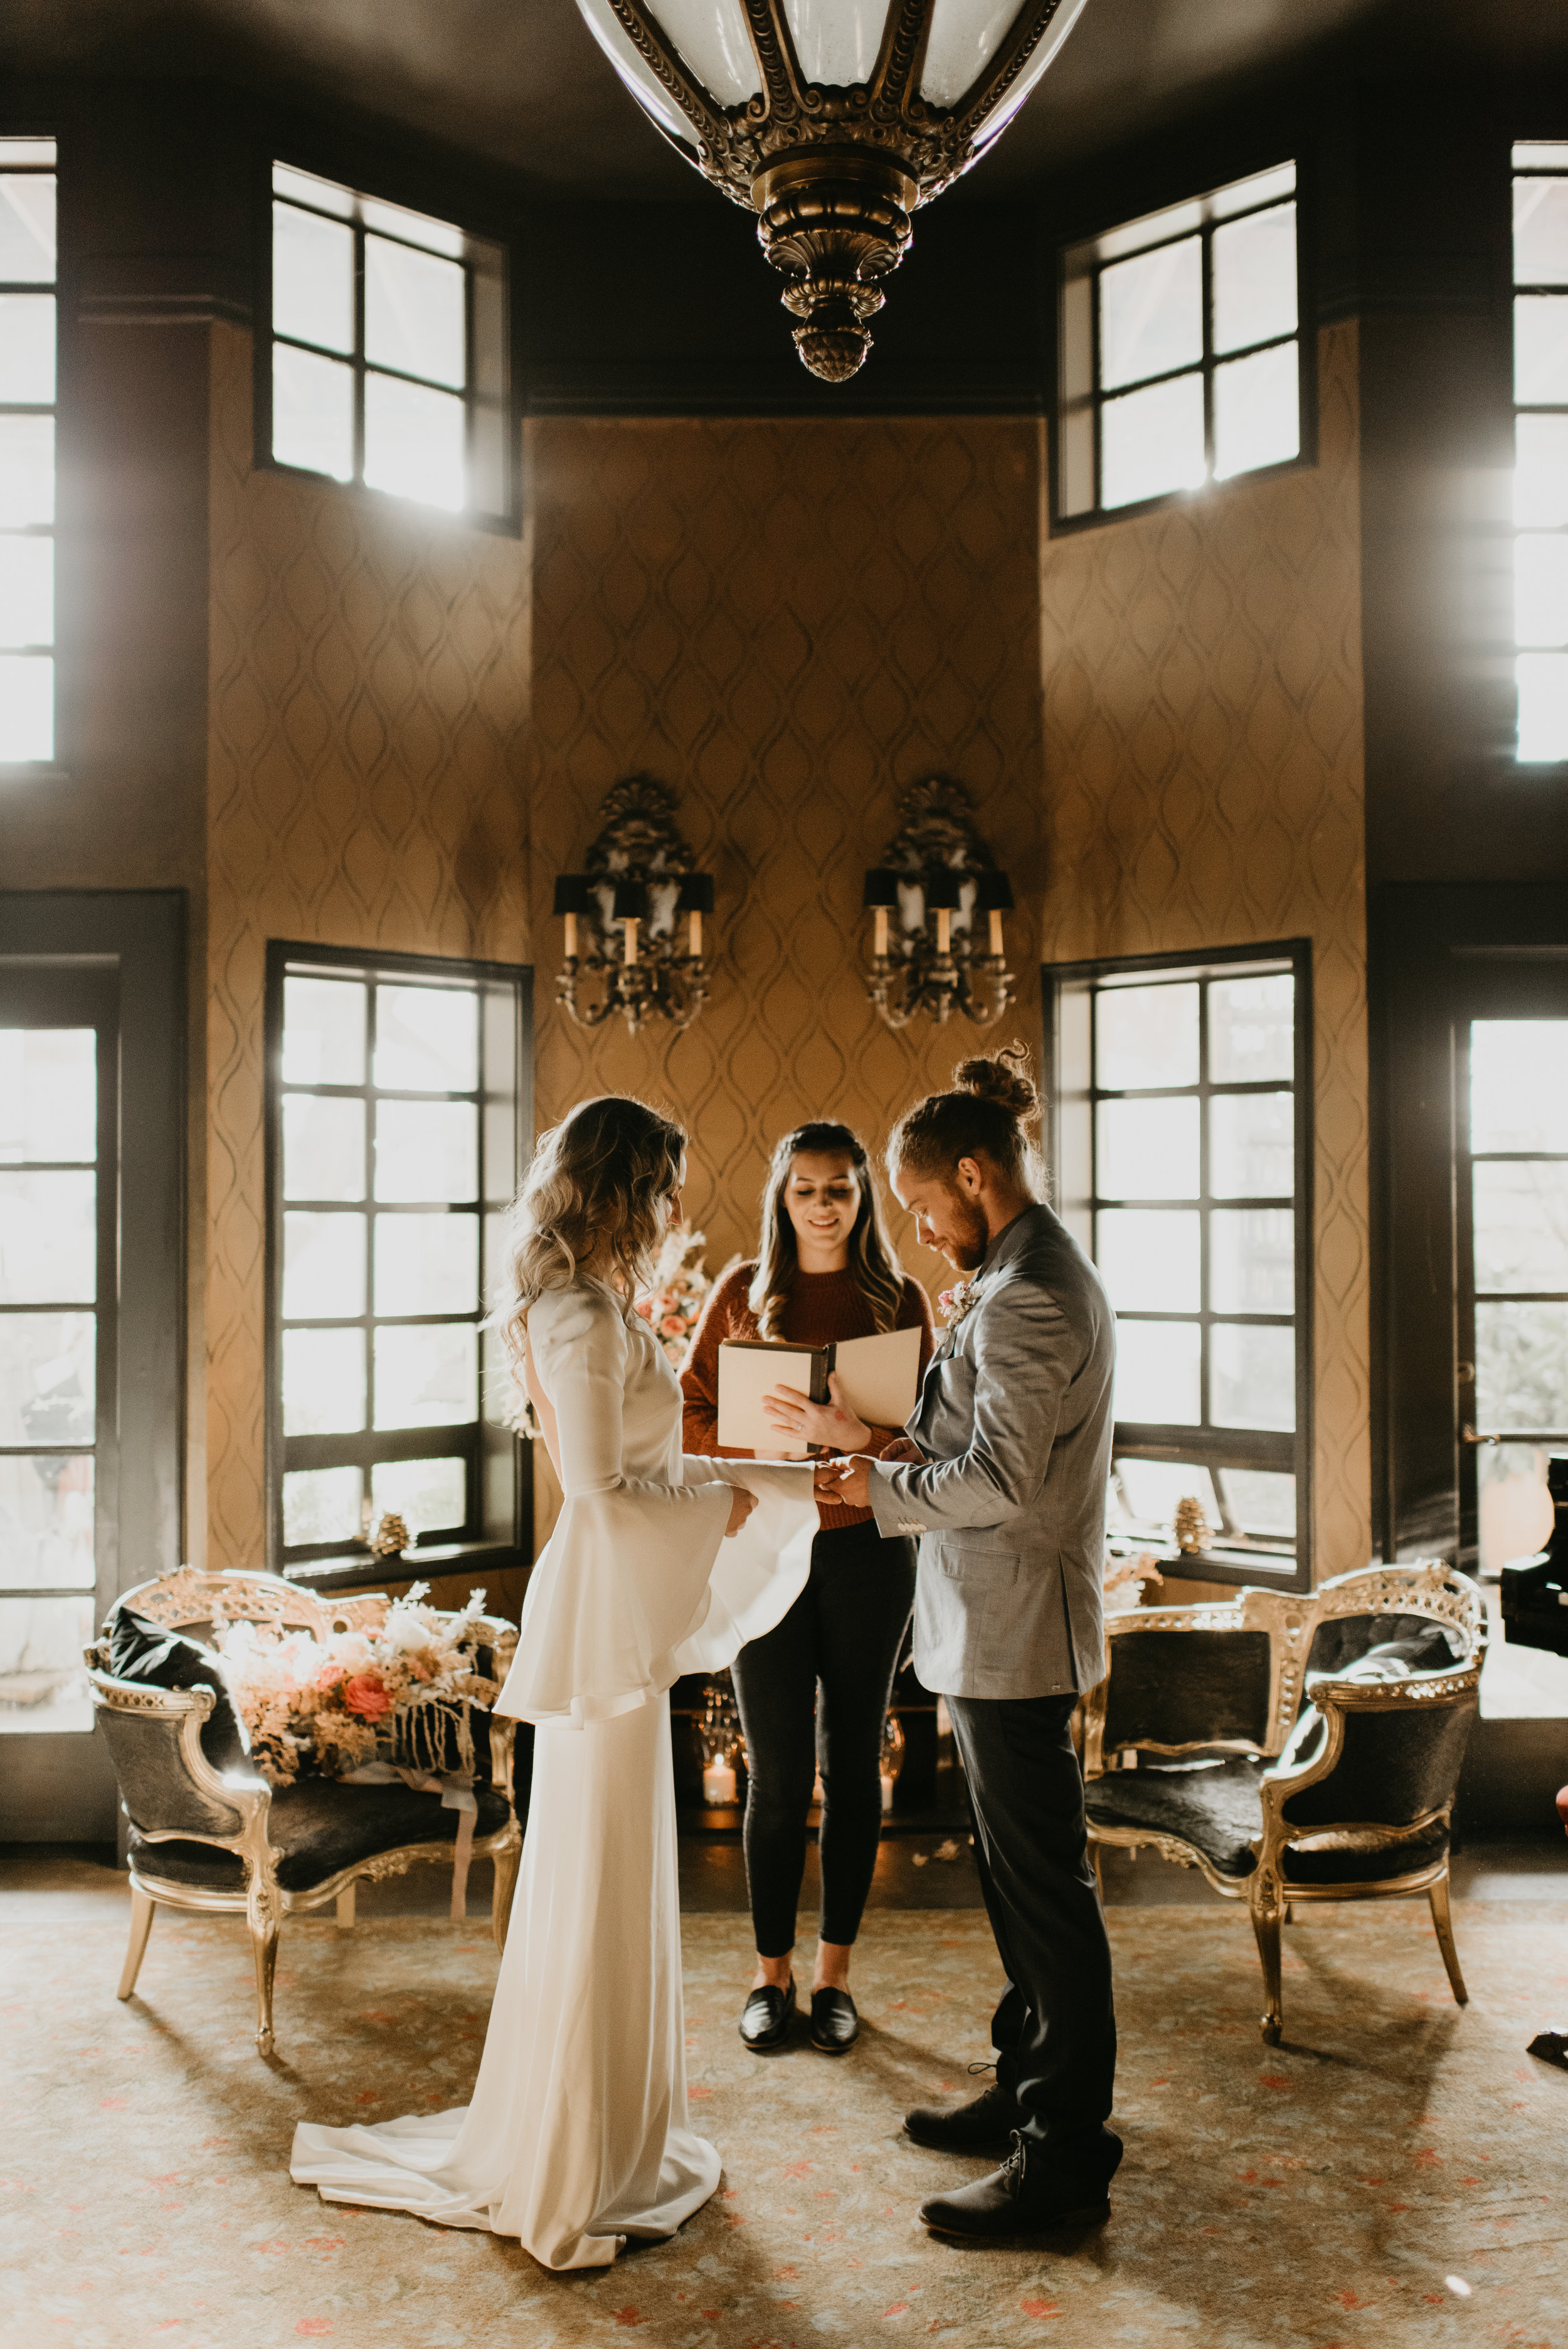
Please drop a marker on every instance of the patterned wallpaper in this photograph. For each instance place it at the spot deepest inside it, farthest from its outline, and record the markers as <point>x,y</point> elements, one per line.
<point>790,621</point>
<point>1203,787</point>
<point>367,698</point>
<point>412,727</point>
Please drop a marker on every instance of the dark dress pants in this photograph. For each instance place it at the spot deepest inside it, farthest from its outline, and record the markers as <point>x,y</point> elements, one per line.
<point>1054,2030</point>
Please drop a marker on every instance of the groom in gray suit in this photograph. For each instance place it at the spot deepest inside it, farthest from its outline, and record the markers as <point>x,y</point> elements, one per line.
<point>1003,1477</point>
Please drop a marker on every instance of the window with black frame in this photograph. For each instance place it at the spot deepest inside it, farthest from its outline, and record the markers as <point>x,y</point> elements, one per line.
<point>1180,353</point>
<point>388,348</point>
<point>395,1098</point>
<point>1181,1103</point>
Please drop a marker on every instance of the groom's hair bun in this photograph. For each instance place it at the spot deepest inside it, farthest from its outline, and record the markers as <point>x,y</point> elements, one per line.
<point>994,1100</point>
<point>1001,1077</point>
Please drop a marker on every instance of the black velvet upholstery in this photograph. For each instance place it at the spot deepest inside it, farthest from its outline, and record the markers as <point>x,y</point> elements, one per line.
<point>321,1826</point>
<point>150,1655</point>
<point>1393,1766</point>
<point>154,1783</point>
<point>1217,1808</point>
<point>1186,1688</point>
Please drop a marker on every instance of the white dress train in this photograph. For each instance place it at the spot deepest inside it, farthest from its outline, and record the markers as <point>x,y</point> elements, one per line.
<point>577,2135</point>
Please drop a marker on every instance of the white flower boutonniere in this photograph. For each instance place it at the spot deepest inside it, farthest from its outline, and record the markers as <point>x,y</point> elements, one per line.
<point>953,1303</point>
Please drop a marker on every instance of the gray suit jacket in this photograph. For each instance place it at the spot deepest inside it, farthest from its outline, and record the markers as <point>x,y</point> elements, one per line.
<point>1015,1420</point>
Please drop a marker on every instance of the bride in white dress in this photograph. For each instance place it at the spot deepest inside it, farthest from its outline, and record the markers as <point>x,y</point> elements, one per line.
<point>577,2135</point>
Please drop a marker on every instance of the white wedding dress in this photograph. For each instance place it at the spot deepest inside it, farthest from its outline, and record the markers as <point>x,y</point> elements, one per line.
<point>577,2136</point>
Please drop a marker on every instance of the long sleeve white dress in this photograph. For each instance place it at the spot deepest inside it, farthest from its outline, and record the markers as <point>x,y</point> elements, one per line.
<point>577,2136</point>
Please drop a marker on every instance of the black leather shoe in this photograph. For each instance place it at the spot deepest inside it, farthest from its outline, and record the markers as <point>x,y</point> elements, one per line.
<point>835,2025</point>
<point>766,2017</point>
<point>986,2124</point>
<point>1029,2194</point>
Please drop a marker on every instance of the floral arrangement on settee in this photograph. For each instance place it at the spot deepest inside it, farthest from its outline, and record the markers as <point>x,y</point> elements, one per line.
<point>332,1708</point>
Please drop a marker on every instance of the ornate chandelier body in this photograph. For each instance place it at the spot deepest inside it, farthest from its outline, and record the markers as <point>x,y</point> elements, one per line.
<point>832,121</point>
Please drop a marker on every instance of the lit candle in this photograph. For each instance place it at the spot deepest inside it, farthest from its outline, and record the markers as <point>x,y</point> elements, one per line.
<point>996,932</point>
<point>887,1790</point>
<point>880,919</point>
<point>944,930</point>
<point>631,943</point>
<point>694,920</point>
<point>572,934</point>
<point>719,1783</point>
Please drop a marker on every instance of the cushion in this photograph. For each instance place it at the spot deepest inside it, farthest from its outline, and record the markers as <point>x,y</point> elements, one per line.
<point>321,1826</point>
<point>151,1654</point>
<point>1422,1644</point>
<point>1365,1867</point>
<point>1215,1807</point>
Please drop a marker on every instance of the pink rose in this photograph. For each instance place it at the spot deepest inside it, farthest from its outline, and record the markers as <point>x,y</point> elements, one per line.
<point>645,1308</point>
<point>366,1694</point>
<point>672,1326</point>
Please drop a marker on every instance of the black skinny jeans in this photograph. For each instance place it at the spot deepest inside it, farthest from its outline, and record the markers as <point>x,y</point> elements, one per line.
<point>836,1648</point>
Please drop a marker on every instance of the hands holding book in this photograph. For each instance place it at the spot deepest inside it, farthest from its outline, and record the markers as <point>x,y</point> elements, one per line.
<point>831,1424</point>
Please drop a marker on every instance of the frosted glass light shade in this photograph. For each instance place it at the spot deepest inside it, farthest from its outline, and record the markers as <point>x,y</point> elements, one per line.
<point>711,36</point>
<point>964,39</point>
<point>837,41</point>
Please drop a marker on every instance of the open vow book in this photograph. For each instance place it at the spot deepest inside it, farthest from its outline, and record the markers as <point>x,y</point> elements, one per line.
<point>878,1381</point>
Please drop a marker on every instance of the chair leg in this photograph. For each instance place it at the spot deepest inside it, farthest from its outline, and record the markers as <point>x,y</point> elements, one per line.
<point>1099,1872</point>
<point>1266,1908</point>
<point>345,1908</point>
<point>264,1915</point>
<point>506,1867</point>
<point>1442,1919</point>
<point>144,1909</point>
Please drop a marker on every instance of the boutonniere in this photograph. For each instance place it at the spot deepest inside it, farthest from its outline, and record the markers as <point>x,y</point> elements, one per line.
<point>955,1303</point>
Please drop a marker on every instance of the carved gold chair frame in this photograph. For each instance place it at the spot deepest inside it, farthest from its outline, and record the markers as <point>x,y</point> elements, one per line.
<point>231,1812</point>
<point>1428,1588</point>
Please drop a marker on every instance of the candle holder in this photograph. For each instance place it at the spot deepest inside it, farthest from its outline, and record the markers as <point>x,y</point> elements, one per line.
<point>625,912</point>
<point>924,898</point>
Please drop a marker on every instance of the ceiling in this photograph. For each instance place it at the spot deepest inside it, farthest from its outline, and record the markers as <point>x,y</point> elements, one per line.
<point>520,85</point>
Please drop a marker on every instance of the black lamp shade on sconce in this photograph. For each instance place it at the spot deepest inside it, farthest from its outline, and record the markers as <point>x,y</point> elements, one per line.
<point>993,894</point>
<point>696,893</point>
<point>943,885</point>
<point>574,894</point>
<point>631,901</point>
<point>880,890</point>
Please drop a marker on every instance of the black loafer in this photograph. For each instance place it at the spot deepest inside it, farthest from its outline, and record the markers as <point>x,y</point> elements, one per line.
<point>835,2025</point>
<point>766,2017</point>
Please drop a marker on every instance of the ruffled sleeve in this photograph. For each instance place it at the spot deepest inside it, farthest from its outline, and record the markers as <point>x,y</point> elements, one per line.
<point>625,1597</point>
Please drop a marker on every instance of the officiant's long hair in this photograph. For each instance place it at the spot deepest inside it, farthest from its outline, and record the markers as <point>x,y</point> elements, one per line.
<point>607,1173</point>
<point>873,1262</point>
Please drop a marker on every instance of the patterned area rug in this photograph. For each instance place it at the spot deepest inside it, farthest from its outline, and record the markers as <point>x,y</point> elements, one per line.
<point>1393,2173</point>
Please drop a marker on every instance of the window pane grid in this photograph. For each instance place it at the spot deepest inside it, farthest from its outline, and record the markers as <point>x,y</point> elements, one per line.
<point>422,1448</point>
<point>1242,417</point>
<point>407,430</point>
<point>28,397</point>
<point>1174,1408</point>
<point>1540,412</point>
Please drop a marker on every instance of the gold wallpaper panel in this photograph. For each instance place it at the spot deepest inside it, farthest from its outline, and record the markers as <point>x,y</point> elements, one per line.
<point>1203,787</point>
<point>368,700</point>
<point>790,621</point>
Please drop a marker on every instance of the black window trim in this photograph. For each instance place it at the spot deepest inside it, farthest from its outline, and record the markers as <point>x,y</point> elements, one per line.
<point>499,1525</point>
<point>1241,1447</point>
<point>1062,524</point>
<point>486,254</point>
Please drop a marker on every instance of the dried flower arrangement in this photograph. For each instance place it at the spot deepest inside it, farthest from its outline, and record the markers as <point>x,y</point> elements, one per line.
<point>680,1285</point>
<point>399,1694</point>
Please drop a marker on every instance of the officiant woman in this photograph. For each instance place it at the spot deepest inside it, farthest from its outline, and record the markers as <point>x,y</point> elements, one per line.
<point>825,1270</point>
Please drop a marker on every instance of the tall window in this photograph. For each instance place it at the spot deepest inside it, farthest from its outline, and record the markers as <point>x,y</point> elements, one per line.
<point>388,348</point>
<point>1179,357</point>
<point>395,1150</point>
<point>58,1283</point>
<point>1540,430</point>
<point>1181,1093</point>
<point>27,451</point>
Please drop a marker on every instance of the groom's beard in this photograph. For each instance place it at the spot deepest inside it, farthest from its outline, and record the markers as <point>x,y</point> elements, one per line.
<point>965,1245</point>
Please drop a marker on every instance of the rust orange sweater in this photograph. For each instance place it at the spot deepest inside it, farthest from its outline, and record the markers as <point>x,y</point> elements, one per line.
<point>823,1307</point>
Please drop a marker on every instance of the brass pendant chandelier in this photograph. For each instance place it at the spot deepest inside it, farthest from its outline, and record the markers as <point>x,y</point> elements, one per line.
<point>832,121</point>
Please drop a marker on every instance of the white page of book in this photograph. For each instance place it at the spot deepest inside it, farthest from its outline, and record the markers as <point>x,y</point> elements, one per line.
<point>745,1373</point>
<point>879,1378</point>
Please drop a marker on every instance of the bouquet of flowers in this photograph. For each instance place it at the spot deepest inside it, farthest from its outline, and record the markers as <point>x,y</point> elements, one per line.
<point>398,1695</point>
<point>681,1282</point>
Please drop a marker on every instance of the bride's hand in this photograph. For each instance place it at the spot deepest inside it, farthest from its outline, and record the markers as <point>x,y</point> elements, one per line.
<point>828,1423</point>
<point>741,1503</point>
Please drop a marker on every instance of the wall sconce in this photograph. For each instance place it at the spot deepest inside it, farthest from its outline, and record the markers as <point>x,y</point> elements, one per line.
<point>624,913</point>
<point>927,950</point>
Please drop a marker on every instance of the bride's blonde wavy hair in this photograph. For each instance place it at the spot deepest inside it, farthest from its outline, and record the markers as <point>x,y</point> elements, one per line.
<point>604,1174</point>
